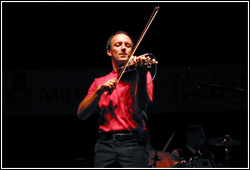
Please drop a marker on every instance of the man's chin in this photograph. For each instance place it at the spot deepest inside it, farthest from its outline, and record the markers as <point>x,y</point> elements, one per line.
<point>122,62</point>
<point>125,59</point>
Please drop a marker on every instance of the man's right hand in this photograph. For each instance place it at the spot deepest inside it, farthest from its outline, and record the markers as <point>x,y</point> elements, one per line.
<point>108,85</point>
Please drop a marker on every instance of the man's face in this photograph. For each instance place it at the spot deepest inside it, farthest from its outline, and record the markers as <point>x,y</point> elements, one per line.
<point>121,48</point>
<point>196,139</point>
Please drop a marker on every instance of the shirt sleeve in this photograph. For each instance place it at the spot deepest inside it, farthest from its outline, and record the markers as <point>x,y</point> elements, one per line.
<point>92,89</point>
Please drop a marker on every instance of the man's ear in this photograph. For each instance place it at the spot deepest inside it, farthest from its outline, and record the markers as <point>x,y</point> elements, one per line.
<point>109,53</point>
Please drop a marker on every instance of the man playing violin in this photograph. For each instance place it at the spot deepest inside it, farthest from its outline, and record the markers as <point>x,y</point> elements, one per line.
<point>123,137</point>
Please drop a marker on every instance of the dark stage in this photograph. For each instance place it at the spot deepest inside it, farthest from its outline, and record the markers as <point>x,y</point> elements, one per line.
<point>51,53</point>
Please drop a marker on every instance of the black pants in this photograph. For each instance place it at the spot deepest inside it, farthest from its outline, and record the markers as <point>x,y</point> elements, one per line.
<point>128,153</point>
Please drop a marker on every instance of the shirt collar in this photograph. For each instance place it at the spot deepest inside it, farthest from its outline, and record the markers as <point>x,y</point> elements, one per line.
<point>191,149</point>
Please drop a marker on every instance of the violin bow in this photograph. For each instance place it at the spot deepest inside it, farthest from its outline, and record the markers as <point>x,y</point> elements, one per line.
<point>156,9</point>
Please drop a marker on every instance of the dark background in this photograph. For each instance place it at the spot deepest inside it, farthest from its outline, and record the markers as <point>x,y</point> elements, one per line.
<point>73,35</point>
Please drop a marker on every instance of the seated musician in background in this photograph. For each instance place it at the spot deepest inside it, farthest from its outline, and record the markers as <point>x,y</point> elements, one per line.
<point>123,137</point>
<point>195,153</point>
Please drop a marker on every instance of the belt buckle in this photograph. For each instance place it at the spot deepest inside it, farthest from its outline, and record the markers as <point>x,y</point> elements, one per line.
<point>115,134</point>
<point>120,134</point>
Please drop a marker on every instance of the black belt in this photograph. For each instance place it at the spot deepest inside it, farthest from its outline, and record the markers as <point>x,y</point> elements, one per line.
<point>118,136</point>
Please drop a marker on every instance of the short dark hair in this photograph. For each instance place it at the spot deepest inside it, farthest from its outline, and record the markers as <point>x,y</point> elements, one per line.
<point>194,128</point>
<point>108,45</point>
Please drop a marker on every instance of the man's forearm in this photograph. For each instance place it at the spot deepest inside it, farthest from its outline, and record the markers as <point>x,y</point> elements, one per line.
<point>88,105</point>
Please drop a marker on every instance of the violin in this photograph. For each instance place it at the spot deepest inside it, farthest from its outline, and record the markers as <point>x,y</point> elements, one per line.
<point>150,61</point>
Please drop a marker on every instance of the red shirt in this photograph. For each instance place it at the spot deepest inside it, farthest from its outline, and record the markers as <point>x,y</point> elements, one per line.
<point>116,109</point>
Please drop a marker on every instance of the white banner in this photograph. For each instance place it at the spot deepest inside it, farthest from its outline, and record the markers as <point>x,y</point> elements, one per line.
<point>56,92</point>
